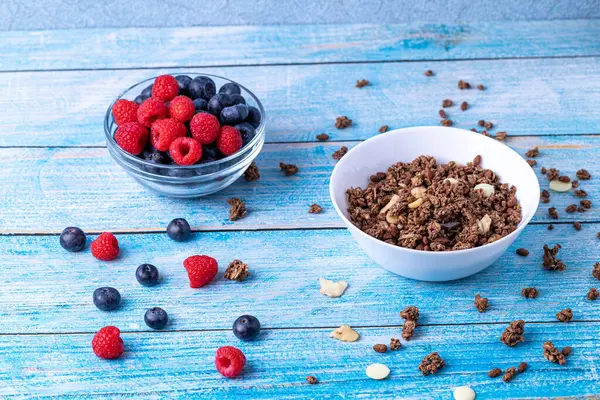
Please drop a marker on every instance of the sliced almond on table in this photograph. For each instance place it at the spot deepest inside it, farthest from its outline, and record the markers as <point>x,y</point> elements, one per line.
<point>331,288</point>
<point>559,186</point>
<point>377,371</point>
<point>464,393</point>
<point>345,334</point>
<point>487,189</point>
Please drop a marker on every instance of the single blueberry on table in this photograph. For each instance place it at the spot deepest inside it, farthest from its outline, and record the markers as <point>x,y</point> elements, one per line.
<point>72,239</point>
<point>147,274</point>
<point>247,131</point>
<point>202,87</point>
<point>253,116</point>
<point>156,318</point>
<point>107,298</point>
<point>179,230</point>
<point>184,83</point>
<point>237,99</point>
<point>234,114</point>
<point>218,102</point>
<point>246,327</point>
<point>200,105</point>
<point>147,93</point>
<point>230,88</point>
<point>139,99</point>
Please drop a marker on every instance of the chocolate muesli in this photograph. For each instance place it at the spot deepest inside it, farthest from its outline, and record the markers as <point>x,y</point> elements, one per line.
<point>424,205</point>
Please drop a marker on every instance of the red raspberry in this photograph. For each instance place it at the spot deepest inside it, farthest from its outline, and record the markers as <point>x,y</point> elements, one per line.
<point>185,150</point>
<point>105,247</point>
<point>200,269</point>
<point>164,131</point>
<point>230,361</point>
<point>132,137</point>
<point>182,108</point>
<point>124,111</point>
<point>151,110</point>
<point>107,343</point>
<point>165,87</point>
<point>205,128</point>
<point>229,140</point>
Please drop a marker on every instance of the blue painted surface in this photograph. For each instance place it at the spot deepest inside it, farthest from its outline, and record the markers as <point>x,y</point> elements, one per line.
<point>54,172</point>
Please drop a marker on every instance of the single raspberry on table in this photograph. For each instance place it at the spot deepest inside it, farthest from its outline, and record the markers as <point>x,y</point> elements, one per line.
<point>205,128</point>
<point>151,110</point>
<point>185,151</point>
<point>107,343</point>
<point>200,270</point>
<point>124,111</point>
<point>105,247</point>
<point>164,132</point>
<point>229,140</point>
<point>230,361</point>
<point>132,137</point>
<point>182,108</point>
<point>165,87</point>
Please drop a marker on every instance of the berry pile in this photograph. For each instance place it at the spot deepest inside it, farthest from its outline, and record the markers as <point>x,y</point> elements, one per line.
<point>184,121</point>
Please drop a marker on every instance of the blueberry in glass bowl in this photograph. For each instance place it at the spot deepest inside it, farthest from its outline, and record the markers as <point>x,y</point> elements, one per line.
<point>185,135</point>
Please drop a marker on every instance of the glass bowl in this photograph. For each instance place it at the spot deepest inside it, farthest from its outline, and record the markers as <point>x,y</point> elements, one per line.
<point>192,180</point>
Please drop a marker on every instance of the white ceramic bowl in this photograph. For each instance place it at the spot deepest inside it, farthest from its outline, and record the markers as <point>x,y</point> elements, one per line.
<point>445,144</point>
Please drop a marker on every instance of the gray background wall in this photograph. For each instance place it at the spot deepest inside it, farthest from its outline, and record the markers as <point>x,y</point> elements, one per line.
<point>64,14</point>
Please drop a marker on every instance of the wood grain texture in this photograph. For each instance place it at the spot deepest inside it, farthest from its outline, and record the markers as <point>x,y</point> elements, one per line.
<point>523,97</point>
<point>281,44</point>
<point>54,292</point>
<point>181,365</point>
<point>44,190</point>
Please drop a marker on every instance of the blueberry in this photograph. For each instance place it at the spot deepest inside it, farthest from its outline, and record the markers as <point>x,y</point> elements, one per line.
<point>107,298</point>
<point>200,104</point>
<point>230,88</point>
<point>72,239</point>
<point>154,156</point>
<point>234,114</point>
<point>147,274</point>
<point>156,318</point>
<point>253,116</point>
<point>209,152</point>
<point>202,87</point>
<point>219,102</point>
<point>179,230</point>
<point>246,327</point>
<point>139,99</point>
<point>247,132</point>
<point>184,83</point>
<point>237,99</point>
<point>180,172</point>
<point>147,93</point>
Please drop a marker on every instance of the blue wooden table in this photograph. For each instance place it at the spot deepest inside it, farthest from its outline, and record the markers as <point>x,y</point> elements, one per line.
<point>542,84</point>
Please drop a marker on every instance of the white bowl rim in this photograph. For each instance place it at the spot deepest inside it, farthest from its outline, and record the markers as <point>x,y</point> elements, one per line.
<point>507,238</point>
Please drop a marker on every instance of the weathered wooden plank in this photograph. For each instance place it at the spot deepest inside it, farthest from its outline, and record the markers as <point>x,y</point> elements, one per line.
<point>46,289</point>
<point>523,97</point>
<point>181,364</point>
<point>44,190</point>
<point>281,44</point>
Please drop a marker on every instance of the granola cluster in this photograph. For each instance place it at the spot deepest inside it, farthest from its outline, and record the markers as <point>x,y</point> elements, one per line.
<point>428,206</point>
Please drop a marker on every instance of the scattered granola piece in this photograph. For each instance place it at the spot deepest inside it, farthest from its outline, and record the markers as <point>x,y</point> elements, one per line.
<point>530,292</point>
<point>522,252</point>
<point>288,169</point>
<point>311,380</point>
<point>552,354</point>
<point>443,114</point>
<point>480,87</point>
<point>410,313</point>
<point>362,83</point>
<point>380,348</point>
<point>598,235</point>
<point>553,213</point>
<point>566,350</point>
<point>581,209</point>
<point>550,261</point>
<point>331,288</point>
<point>513,334</point>
<point>550,227</point>
<point>494,373</point>
<point>315,209</point>
<point>481,122</point>
<point>447,103</point>
<point>593,294</point>
<point>429,73</point>
<point>532,163</point>
<point>237,271</point>
<point>446,122</point>
<point>543,170</point>
<point>533,153</point>
<point>237,210</point>
<point>395,344</point>
<point>383,128</point>
<point>571,208</point>
<point>474,130</point>
<point>481,303</point>
<point>501,135</point>
<point>586,203</point>
<point>463,85</point>
<point>340,153</point>
<point>322,137</point>
<point>431,364</point>
<point>509,374</point>
<point>408,329</point>
<point>564,179</point>
<point>342,122</point>
<point>252,174</point>
<point>522,367</point>
<point>464,106</point>
<point>596,271</point>
<point>377,371</point>
<point>489,125</point>
<point>580,192</point>
<point>577,226</point>
<point>345,334</point>
<point>583,174</point>
<point>565,315</point>
<point>552,174</point>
